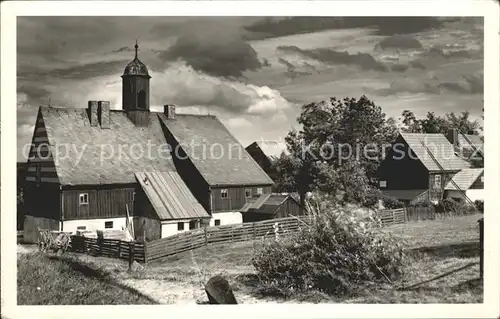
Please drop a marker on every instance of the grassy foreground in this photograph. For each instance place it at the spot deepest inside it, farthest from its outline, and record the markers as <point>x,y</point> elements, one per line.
<point>44,280</point>
<point>444,270</point>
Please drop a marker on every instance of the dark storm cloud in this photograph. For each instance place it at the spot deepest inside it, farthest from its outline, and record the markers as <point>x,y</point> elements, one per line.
<point>227,56</point>
<point>75,72</point>
<point>287,64</point>
<point>471,84</point>
<point>399,67</point>
<point>277,27</point>
<point>399,42</point>
<point>417,65</point>
<point>33,92</point>
<point>329,56</point>
<point>123,49</point>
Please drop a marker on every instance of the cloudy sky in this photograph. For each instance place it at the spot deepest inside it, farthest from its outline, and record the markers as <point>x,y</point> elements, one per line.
<point>253,72</point>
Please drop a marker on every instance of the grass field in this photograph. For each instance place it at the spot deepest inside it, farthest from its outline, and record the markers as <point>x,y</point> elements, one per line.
<point>441,248</point>
<point>45,280</point>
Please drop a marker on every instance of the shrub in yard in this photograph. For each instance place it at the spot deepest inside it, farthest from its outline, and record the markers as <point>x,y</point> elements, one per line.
<point>392,203</point>
<point>479,205</point>
<point>336,254</point>
<point>371,197</point>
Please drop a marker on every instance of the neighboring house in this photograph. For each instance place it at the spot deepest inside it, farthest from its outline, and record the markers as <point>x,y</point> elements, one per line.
<point>270,206</point>
<point>418,167</point>
<point>469,181</point>
<point>263,152</point>
<point>87,167</point>
<point>468,146</point>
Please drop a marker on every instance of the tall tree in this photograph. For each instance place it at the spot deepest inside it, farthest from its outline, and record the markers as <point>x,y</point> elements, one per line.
<point>433,123</point>
<point>339,139</point>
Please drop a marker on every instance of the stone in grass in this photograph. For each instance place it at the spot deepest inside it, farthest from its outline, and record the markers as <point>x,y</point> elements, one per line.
<point>219,291</point>
<point>136,267</point>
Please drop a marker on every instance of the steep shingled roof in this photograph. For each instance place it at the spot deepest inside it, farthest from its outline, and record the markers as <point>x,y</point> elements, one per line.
<point>465,178</point>
<point>170,197</point>
<point>441,149</point>
<point>84,163</point>
<point>228,163</point>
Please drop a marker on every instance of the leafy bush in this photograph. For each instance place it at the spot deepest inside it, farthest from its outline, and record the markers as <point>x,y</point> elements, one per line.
<point>371,197</point>
<point>479,205</point>
<point>423,203</point>
<point>335,255</point>
<point>454,207</point>
<point>392,203</point>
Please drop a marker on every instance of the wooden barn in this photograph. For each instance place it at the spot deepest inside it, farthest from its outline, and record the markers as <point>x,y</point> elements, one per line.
<point>418,167</point>
<point>263,153</point>
<point>87,167</point>
<point>270,206</point>
<point>220,173</point>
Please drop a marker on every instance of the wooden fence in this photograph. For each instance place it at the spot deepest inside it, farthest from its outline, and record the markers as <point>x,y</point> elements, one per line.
<point>220,234</point>
<point>415,213</point>
<point>392,216</point>
<point>113,248</point>
<point>188,240</point>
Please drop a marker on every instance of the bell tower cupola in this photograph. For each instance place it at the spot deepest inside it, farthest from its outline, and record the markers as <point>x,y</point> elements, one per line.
<point>135,80</point>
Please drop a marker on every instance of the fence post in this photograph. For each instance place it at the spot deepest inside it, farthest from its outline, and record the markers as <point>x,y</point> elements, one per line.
<point>232,231</point>
<point>481,246</point>
<point>206,235</point>
<point>130,254</point>
<point>254,231</point>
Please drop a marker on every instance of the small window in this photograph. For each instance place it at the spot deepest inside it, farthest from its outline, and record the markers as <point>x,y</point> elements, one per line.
<point>192,224</point>
<point>180,226</point>
<point>108,224</point>
<point>84,199</point>
<point>248,193</point>
<point>437,181</point>
<point>383,183</point>
<point>223,193</point>
<point>217,222</point>
<point>259,191</point>
<point>81,227</point>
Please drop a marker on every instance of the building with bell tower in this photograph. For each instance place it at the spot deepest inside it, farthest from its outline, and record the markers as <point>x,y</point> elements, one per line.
<point>135,91</point>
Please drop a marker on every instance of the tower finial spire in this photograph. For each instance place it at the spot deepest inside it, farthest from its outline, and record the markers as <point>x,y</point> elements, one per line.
<point>136,48</point>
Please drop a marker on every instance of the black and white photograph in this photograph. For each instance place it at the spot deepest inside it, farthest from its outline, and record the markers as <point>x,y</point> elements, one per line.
<point>252,159</point>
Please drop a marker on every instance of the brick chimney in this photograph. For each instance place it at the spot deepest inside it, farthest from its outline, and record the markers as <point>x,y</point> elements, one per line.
<point>92,112</point>
<point>169,111</point>
<point>452,136</point>
<point>104,114</point>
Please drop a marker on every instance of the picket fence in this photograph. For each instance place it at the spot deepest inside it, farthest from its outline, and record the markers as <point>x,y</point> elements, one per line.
<point>113,248</point>
<point>220,234</point>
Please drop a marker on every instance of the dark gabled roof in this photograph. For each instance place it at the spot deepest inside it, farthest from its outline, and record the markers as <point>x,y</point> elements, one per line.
<point>66,126</point>
<point>266,203</point>
<point>441,149</point>
<point>228,163</point>
<point>269,148</point>
<point>465,178</point>
<point>169,196</point>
